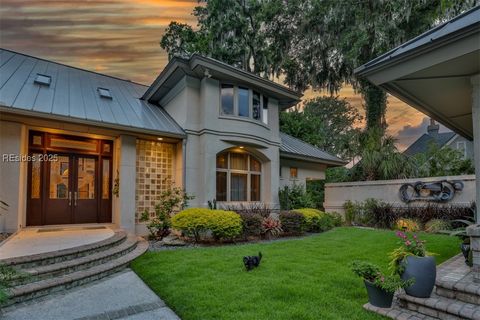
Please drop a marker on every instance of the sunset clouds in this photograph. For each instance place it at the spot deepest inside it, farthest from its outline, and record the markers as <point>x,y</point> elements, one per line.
<point>121,38</point>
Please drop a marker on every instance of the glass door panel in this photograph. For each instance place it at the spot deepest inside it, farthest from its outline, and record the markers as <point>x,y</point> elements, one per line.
<point>59,178</point>
<point>86,178</point>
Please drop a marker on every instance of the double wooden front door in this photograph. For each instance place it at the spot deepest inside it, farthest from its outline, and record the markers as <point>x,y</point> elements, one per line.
<point>69,180</point>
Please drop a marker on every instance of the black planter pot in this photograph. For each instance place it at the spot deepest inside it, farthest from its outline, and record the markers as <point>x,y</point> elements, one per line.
<point>378,297</point>
<point>424,271</point>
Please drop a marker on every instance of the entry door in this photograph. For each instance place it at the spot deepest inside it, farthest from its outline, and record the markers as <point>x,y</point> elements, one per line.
<point>72,195</point>
<point>85,199</point>
<point>59,197</point>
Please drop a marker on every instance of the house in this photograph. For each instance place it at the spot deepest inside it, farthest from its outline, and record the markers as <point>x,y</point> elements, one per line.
<point>82,147</point>
<point>442,139</point>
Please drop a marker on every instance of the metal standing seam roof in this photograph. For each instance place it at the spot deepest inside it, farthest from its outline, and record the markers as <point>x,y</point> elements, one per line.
<point>297,147</point>
<point>421,144</point>
<point>73,96</point>
<point>468,19</point>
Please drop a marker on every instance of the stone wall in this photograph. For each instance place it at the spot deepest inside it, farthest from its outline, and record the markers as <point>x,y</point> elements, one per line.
<point>336,194</point>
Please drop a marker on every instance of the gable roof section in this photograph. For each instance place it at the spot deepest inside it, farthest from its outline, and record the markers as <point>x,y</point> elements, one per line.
<point>198,66</point>
<point>421,144</point>
<point>73,96</point>
<point>294,148</point>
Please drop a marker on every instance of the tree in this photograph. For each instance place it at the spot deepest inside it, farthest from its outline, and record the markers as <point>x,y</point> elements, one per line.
<point>326,122</point>
<point>380,159</point>
<point>442,162</point>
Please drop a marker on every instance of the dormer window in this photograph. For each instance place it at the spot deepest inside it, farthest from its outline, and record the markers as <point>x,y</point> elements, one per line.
<point>43,80</point>
<point>243,102</point>
<point>104,93</point>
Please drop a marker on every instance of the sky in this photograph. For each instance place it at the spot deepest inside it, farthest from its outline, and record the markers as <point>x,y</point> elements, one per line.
<point>121,38</point>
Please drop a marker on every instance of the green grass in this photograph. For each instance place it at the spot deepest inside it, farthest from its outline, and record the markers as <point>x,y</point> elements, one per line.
<point>307,278</point>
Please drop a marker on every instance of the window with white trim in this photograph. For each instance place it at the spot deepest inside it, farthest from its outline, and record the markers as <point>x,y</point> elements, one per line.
<point>238,177</point>
<point>243,102</point>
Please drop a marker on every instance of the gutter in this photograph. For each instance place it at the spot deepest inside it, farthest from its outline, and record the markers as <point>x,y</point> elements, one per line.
<point>288,155</point>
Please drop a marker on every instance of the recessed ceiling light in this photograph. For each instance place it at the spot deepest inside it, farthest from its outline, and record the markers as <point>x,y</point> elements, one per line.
<point>241,147</point>
<point>159,139</point>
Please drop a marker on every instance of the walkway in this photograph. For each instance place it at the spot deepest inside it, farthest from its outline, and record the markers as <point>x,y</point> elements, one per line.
<point>120,296</point>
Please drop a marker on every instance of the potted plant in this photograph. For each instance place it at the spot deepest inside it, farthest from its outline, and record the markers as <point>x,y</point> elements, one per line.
<point>412,261</point>
<point>380,288</point>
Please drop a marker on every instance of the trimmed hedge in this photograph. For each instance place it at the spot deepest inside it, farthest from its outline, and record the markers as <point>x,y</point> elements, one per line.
<point>195,221</point>
<point>252,224</point>
<point>318,221</point>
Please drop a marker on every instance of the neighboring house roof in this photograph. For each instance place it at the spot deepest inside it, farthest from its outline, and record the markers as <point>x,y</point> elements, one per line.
<point>297,149</point>
<point>198,66</point>
<point>73,96</point>
<point>422,143</point>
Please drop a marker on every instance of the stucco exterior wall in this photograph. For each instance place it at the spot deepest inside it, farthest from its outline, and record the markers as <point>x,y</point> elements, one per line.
<point>305,171</point>
<point>336,194</point>
<point>12,189</point>
<point>195,105</point>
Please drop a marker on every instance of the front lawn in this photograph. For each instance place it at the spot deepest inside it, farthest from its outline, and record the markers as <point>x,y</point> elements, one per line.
<point>307,278</point>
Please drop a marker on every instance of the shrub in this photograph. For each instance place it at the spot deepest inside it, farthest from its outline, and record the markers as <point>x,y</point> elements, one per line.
<point>349,207</point>
<point>258,208</point>
<point>252,224</point>
<point>409,225</point>
<point>312,217</point>
<point>437,225</point>
<point>326,222</point>
<point>170,200</point>
<point>271,227</point>
<point>195,221</point>
<point>292,222</point>
<point>295,197</point>
<point>337,218</point>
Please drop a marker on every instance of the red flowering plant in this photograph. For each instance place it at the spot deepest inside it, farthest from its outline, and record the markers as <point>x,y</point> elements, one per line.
<point>410,245</point>
<point>271,227</point>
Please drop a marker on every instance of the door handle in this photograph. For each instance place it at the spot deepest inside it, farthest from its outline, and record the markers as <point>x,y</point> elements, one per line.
<point>69,198</point>
<point>75,197</point>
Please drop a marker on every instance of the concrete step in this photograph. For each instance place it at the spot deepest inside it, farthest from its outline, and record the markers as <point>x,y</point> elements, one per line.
<point>466,291</point>
<point>398,313</point>
<point>440,307</point>
<point>41,259</point>
<point>43,287</point>
<point>65,267</point>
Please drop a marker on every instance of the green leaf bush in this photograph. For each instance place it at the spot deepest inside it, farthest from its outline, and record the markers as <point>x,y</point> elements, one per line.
<point>319,221</point>
<point>252,224</point>
<point>292,222</point>
<point>195,222</point>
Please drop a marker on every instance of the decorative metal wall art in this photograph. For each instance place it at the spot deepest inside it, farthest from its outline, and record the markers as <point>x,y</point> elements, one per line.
<point>441,191</point>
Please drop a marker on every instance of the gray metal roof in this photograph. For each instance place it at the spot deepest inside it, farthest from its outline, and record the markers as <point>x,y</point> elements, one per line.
<point>73,96</point>
<point>469,19</point>
<point>298,149</point>
<point>421,144</point>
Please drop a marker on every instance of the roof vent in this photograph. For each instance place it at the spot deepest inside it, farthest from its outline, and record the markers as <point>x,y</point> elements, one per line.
<point>104,93</point>
<point>43,80</point>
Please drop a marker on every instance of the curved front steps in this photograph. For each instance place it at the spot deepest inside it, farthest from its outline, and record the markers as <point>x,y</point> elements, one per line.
<point>72,267</point>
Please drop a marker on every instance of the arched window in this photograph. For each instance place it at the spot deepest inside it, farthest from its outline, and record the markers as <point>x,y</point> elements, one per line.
<point>238,177</point>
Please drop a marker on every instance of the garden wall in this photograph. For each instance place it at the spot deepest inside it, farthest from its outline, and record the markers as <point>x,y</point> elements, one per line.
<point>336,194</point>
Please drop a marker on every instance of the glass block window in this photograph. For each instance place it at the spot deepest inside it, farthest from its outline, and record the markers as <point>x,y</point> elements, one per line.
<point>154,174</point>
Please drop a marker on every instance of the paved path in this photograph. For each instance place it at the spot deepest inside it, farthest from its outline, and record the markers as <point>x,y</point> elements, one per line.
<point>120,296</point>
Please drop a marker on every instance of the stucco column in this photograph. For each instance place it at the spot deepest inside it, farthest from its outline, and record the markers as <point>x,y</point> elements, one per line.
<point>474,231</point>
<point>127,173</point>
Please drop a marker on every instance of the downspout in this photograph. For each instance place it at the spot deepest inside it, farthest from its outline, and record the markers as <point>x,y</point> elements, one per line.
<point>184,164</point>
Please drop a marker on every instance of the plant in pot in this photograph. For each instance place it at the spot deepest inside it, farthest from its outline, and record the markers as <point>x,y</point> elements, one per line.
<point>380,288</point>
<point>461,232</point>
<point>412,261</point>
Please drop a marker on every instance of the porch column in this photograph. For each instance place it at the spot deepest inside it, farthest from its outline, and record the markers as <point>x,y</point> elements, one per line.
<point>127,167</point>
<point>474,231</point>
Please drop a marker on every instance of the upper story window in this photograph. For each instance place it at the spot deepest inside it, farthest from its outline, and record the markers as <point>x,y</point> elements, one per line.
<point>462,148</point>
<point>227,99</point>
<point>243,102</point>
